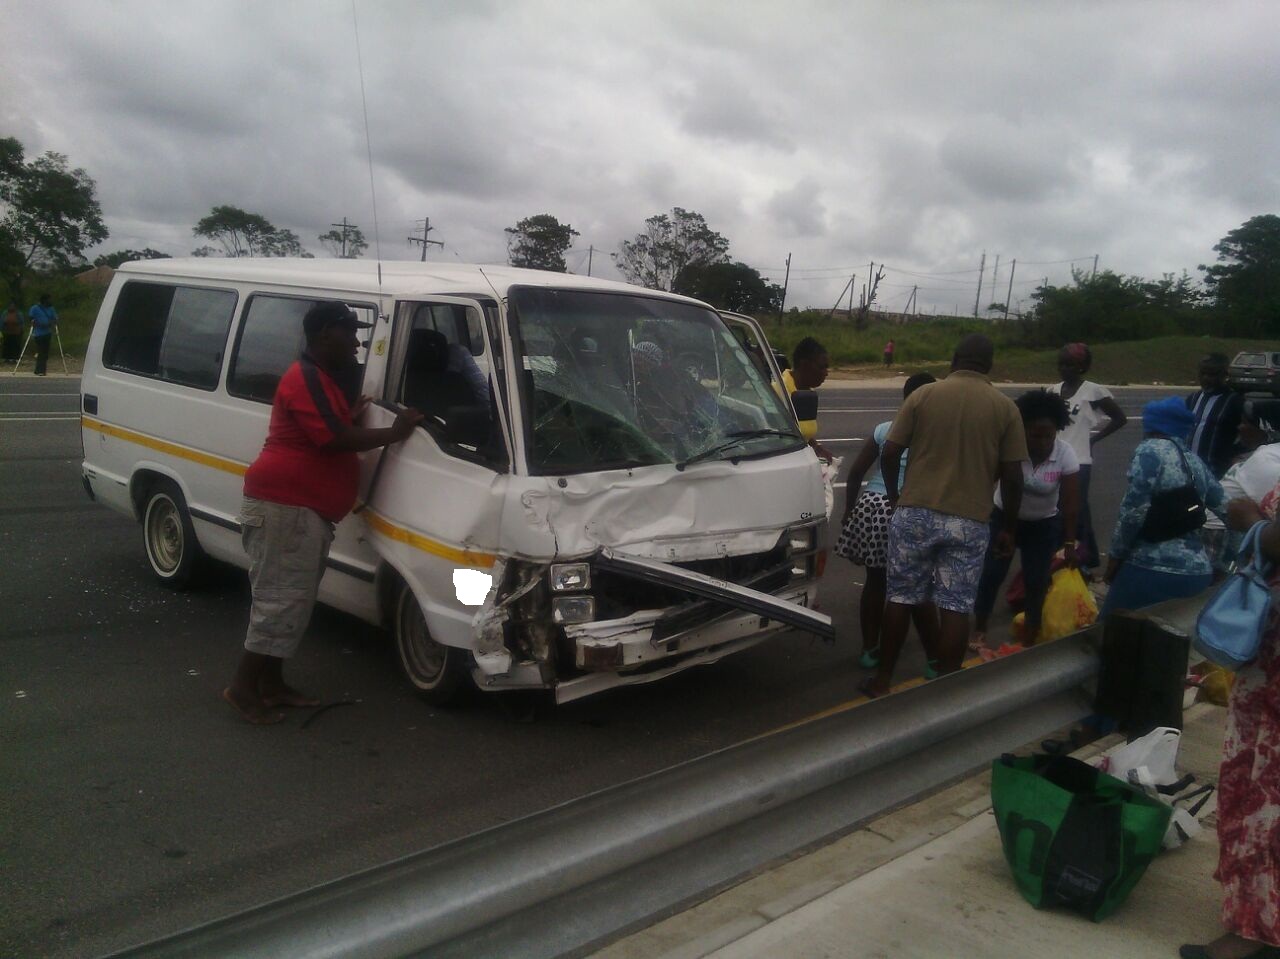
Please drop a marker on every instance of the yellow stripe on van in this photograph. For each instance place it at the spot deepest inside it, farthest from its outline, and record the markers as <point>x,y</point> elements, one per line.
<point>164,446</point>
<point>460,557</point>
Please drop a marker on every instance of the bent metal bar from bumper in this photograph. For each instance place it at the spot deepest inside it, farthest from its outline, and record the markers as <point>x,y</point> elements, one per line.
<point>731,594</point>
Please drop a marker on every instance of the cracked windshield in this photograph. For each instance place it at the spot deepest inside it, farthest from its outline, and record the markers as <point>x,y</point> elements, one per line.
<point>615,381</point>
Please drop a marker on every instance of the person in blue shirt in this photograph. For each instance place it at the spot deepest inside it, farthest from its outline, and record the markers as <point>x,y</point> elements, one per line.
<point>1142,571</point>
<point>864,536</point>
<point>44,321</point>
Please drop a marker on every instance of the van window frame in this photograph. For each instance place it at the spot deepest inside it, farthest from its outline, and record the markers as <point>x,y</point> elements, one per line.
<point>394,375</point>
<point>234,353</point>
<point>110,340</point>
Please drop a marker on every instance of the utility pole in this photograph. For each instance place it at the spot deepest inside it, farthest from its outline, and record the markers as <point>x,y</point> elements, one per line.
<point>1095,267</point>
<point>426,232</point>
<point>981,269</point>
<point>345,227</point>
<point>852,279</point>
<point>785,280</point>
<point>995,277</point>
<point>590,253</point>
<point>1009,295</point>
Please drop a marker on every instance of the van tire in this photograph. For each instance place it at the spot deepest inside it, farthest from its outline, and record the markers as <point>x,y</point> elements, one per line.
<point>436,672</point>
<point>168,537</point>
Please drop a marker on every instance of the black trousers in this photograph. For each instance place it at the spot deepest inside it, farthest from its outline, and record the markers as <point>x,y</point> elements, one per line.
<point>42,352</point>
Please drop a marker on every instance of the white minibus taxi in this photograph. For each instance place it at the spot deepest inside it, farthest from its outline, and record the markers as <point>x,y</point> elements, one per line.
<point>607,487</point>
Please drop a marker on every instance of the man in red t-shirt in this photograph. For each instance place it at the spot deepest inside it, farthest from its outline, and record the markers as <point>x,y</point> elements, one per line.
<point>301,485</point>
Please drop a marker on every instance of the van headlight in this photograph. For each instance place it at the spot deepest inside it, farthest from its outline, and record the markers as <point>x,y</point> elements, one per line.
<point>566,610</point>
<point>801,540</point>
<point>566,577</point>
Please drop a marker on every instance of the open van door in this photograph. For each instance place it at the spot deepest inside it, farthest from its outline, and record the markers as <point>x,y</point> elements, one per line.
<point>432,504</point>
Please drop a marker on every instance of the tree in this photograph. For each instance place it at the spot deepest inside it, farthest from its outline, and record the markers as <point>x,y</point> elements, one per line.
<point>730,286</point>
<point>539,243</point>
<point>1246,280</point>
<point>50,213</point>
<point>245,234</point>
<point>669,245</point>
<point>113,260</point>
<point>345,241</point>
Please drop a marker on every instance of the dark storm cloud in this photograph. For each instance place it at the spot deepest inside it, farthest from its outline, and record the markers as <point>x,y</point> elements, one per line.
<point>914,134</point>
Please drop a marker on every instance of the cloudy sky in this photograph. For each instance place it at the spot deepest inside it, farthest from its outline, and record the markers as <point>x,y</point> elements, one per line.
<point>915,134</point>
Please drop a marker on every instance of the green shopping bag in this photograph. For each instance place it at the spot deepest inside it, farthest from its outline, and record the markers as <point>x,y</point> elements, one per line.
<point>1074,836</point>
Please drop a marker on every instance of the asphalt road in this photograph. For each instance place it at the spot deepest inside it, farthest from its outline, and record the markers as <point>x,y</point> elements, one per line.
<point>136,803</point>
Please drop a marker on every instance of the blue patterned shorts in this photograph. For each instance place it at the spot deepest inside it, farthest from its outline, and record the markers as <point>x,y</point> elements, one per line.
<point>934,556</point>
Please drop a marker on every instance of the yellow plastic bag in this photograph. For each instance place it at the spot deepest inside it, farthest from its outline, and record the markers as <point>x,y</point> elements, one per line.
<point>1215,683</point>
<point>1068,607</point>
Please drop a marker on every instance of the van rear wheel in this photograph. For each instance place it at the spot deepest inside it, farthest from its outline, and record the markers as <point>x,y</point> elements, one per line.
<point>168,536</point>
<point>436,671</point>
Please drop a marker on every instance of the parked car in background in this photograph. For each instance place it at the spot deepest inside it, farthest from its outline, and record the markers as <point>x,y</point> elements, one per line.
<point>1255,373</point>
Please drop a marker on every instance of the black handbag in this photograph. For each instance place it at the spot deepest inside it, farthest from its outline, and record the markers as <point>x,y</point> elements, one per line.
<point>1174,512</point>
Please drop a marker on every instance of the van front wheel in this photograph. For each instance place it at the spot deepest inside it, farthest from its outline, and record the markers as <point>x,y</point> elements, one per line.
<point>436,671</point>
<point>168,536</point>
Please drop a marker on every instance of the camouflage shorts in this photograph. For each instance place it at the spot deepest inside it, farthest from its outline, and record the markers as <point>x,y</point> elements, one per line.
<point>287,547</point>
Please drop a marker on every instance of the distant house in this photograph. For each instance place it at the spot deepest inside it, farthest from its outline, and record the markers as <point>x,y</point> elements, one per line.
<point>97,276</point>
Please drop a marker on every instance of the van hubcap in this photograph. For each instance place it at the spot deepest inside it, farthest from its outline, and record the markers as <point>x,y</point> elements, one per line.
<point>424,657</point>
<point>164,534</point>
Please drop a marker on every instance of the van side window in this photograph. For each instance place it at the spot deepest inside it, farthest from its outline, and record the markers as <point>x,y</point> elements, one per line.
<point>270,339</point>
<point>172,333</point>
<point>445,373</point>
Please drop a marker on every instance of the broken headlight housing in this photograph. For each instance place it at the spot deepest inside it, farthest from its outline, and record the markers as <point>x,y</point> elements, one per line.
<point>567,577</point>
<point>566,610</point>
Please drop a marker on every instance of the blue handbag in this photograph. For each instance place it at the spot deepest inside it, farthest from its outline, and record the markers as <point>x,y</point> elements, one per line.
<point>1229,628</point>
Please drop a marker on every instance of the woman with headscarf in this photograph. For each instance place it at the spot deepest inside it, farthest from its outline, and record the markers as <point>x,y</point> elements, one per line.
<point>1089,405</point>
<point>1144,568</point>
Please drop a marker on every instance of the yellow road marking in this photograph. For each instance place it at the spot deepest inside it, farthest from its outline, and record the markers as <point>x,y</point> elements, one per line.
<point>853,703</point>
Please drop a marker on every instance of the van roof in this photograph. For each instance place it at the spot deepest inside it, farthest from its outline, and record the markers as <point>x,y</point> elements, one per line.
<point>400,278</point>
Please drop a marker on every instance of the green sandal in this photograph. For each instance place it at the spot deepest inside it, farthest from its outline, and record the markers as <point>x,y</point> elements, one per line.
<point>870,659</point>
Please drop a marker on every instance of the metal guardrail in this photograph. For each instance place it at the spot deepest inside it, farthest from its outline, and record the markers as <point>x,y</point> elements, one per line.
<point>557,881</point>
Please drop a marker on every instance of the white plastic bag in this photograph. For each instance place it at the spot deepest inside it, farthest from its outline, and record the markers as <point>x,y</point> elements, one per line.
<point>829,473</point>
<point>1148,761</point>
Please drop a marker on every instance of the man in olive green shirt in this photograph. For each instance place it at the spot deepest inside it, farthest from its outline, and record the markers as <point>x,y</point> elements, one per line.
<point>964,435</point>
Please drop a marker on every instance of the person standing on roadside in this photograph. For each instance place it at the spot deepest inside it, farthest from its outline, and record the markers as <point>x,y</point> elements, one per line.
<point>1147,562</point>
<point>44,322</point>
<point>864,539</point>
<point>888,353</point>
<point>302,483</point>
<point>1217,411</point>
<point>964,436</point>
<point>809,366</point>
<point>12,333</point>
<point>1088,404</point>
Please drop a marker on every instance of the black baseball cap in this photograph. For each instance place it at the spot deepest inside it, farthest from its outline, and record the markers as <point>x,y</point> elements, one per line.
<point>328,313</point>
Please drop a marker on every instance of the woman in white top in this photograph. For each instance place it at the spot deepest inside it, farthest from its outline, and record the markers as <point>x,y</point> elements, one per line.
<point>1088,405</point>
<point>1049,477</point>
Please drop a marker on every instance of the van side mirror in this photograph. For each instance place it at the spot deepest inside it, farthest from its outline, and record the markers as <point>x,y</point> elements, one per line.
<point>806,404</point>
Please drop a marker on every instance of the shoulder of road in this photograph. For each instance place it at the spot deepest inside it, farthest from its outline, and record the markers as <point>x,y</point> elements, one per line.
<point>930,880</point>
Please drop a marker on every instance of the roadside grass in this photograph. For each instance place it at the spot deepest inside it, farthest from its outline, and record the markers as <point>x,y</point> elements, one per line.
<point>927,346</point>
<point>77,305</point>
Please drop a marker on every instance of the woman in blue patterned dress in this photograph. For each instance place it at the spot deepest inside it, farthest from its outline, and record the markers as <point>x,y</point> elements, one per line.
<point>1141,571</point>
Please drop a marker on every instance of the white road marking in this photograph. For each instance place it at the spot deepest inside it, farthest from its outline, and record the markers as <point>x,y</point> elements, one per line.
<point>47,418</point>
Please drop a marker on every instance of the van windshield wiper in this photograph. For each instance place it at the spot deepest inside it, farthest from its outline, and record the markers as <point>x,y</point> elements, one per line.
<point>735,439</point>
